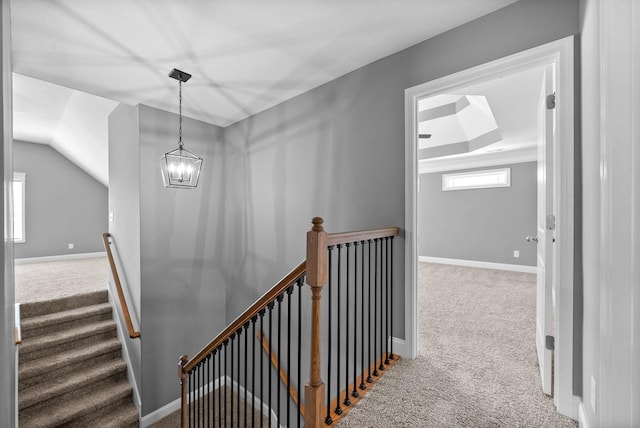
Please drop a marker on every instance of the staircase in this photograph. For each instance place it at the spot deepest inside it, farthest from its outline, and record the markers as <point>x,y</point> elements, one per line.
<point>71,372</point>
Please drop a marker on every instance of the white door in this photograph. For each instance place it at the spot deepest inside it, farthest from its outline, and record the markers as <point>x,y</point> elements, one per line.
<point>545,231</point>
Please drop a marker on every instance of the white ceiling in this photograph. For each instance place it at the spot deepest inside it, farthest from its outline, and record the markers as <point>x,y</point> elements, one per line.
<point>244,56</point>
<point>514,102</point>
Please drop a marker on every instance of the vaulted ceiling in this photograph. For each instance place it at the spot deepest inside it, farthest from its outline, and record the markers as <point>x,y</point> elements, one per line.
<point>244,56</point>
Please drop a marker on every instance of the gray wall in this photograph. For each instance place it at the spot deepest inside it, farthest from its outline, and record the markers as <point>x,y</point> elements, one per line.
<point>63,204</point>
<point>174,239</point>
<point>337,151</point>
<point>484,225</point>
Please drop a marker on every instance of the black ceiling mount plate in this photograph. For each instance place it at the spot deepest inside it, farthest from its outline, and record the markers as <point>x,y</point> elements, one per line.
<point>179,75</point>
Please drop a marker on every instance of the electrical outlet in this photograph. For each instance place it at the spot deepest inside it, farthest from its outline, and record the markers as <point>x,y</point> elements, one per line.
<point>71,245</point>
<point>516,253</point>
<point>594,395</point>
<point>111,217</point>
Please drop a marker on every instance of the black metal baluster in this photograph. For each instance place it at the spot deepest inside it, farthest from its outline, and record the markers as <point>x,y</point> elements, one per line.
<point>226,343</point>
<point>238,356</point>
<point>383,273</point>
<point>362,324</point>
<point>261,313</point>
<point>300,284</point>
<point>213,395</point>
<point>220,390</point>
<point>190,400</point>
<point>355,320</point>
<point>208,394</point>
<point>202,389</point>
<point>289,292</point>
<point>270,307</point>
<point>198,376</point>
<point>338,409</point>
<point>328,419</point>
<point>279,352</point>
<point>391,301</point>
<point>387,336</point>
<point>375,309</point>
<point>253,370</point>
<point>233,339</point>
<point>369,378</point>
<point>246,373</point>
<point>347,401</point>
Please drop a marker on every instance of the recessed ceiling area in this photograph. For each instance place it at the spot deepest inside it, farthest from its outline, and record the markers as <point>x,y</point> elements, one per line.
<point>488,123</point>
<point>245,57</point>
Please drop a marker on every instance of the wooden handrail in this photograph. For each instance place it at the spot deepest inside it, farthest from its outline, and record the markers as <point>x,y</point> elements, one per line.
<point>361,235</point>
<point>123,303</point>
<point>246,316</point>
<point>283,375</point>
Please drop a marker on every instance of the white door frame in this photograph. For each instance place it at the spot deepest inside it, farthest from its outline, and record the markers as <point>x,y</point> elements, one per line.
<point>560,55</point>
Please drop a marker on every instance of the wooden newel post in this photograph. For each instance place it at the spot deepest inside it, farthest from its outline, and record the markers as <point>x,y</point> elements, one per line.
<point>316,278</point>
<point>184,385</point>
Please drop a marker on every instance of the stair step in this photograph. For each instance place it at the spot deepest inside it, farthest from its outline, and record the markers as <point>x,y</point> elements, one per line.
<point>56,321</point>
<point>86,380</point>
<point>76,406</point>
<point>28,310</point>
<point>121,415</point>
<point>43,369</point>
<point>42,346</point>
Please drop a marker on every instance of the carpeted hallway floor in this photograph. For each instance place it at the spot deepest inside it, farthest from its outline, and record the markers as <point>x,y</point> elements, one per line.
<point>35,282</point>
<point>477,365</point>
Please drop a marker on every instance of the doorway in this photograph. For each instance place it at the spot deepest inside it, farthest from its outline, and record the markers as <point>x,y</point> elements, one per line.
<point>559,57</point>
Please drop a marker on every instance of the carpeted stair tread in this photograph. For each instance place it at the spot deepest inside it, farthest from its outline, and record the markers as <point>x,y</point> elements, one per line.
<point>32,309</point>
<point>75,407</point>
<point>39,346</point>
<point>48,323</point>
<point>67,360</point>
<point>81,380</point>
<point>123,415</point>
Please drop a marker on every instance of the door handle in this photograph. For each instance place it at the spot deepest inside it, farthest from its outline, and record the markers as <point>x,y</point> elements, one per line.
<point>531,238</point>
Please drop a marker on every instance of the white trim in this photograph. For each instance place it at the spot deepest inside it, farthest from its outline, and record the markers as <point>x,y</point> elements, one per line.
<point>478,264</point>
<point>175,405</point>
<point>485,160</point>
<point>59,258</point>
<point>400,347</point>
<point>583,421</point>
<point>124,341</point>
<point>559,54</point>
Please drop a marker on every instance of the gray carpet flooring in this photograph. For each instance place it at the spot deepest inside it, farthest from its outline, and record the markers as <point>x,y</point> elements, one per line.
<point>35,282</point>
<point>477,365</point>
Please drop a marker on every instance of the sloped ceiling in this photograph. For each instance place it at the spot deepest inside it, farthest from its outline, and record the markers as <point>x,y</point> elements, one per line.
<point>244,56</point>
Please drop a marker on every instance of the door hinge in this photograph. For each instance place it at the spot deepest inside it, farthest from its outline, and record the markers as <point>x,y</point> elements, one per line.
<point>550,343</point>
<point>551,222</point>
<point>551,101</point>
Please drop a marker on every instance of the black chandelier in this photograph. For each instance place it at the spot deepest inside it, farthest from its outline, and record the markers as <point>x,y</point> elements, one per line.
<point>180,168</point>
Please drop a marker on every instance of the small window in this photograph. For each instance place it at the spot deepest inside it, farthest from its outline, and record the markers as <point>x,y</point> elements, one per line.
<point>477,179</point>
<point>18,189</point>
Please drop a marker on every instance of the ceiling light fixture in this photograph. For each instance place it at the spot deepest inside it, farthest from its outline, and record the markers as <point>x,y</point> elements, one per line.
<point>180,168</point>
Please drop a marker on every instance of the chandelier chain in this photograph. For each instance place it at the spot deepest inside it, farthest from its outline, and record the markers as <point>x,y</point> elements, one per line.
<point>180,143</point>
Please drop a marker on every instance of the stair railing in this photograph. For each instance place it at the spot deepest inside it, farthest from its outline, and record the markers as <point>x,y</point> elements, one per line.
<point>116,278</point>
<point>229,378</point>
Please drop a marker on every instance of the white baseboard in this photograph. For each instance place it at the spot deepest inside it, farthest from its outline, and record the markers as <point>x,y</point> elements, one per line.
<point>120,331</point>
<point>171,407</point>
<point>59,258</point>
<point>583,422</point>
<point>484,265</point>
<point>400,347</point>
